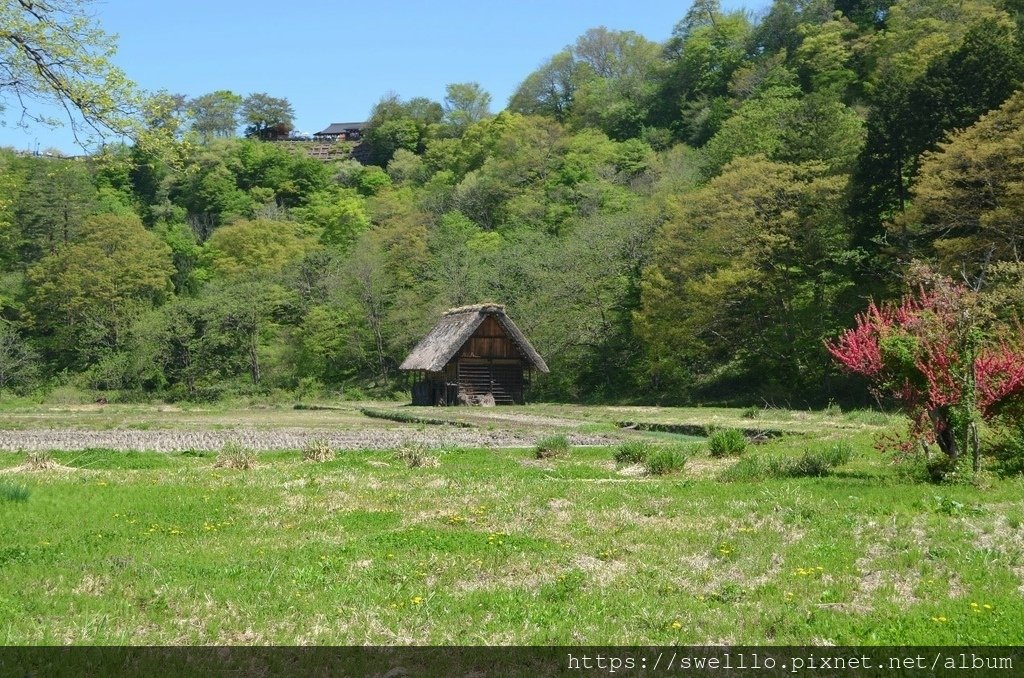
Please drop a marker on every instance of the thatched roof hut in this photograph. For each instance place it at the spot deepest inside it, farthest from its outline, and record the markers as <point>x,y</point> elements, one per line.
<point>474,355</point>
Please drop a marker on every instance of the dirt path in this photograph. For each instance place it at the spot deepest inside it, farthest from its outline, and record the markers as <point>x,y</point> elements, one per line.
<point>369,438</point>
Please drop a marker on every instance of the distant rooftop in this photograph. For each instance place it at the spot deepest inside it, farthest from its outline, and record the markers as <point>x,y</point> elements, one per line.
<point>342,127</point>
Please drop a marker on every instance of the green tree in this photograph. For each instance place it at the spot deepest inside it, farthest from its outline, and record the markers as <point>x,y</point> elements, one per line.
<point>216,114</point>
<point>242,319</point>
<point>54,52</point>
<point>86,294</point>
<point>54,199</point>
<point>550,90</point>
<point>19,363</point>
<point>266,117</point>
<point>290,177</point>
<point>968,205</point>
<point>620,86</point>
<point>941,68</point>
<point>465,103</point>
<point>339,216</point>
<point>748,279</point>
<point>705,49</point>
<point>396,124</point>
<point>252,247</point>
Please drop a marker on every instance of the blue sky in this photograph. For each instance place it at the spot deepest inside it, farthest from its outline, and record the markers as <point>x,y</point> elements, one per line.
<point>334,60</point>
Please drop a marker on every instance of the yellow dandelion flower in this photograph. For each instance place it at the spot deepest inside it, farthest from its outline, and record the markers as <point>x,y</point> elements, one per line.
<point>987,606</point>
<point>974,605</point>
<point>417,600</point>
<point>676,625</point>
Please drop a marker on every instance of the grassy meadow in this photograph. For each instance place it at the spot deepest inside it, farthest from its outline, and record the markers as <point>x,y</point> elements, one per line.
<point>497,546</point>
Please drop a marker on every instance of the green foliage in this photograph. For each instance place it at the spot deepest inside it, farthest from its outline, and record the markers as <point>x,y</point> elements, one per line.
<point>88,292</point>
<point>215,114</point>
<point>968,201</point>
<point>815,462</point>
<point>266,117</point>
<point>552,446</point>
<point>754,467</point>
<point>945,469</point>
<point>744,280</point>
<point>14,492</point>
<point>1008,453</point>
<point>56,53</point>
<point>666,222</point>
<point>727,442</point>
<point>395,124</point>
<point>665,460</point>
<point>465,104</point>
<point>633,452</point>
<point>19,362</point>
<point>818,462</point>
<point>256,247</point>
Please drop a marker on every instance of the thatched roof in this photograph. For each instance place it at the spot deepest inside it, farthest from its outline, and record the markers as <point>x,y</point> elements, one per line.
<point>454,328</point>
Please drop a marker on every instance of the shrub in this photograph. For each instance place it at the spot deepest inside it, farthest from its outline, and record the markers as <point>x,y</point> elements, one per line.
<point>1009,453</point>
<point>727,442</point>
<point>233,455</point>
<point>552,446</point>
<point>318,450</point>
<point>813,463</point>
<point>416,456</point>
<point>944,469</point>
<point>817,463</point>
<point>14,493</point>
<point>664,460</point>
<point>633,452</point>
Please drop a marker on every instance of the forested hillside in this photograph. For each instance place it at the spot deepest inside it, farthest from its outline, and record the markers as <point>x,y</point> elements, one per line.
<point>686,221</point>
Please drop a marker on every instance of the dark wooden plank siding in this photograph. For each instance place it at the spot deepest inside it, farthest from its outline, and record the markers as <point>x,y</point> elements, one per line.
<point>489,341</point>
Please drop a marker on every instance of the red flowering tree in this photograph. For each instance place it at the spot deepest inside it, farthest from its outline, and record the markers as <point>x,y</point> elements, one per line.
<point>932,355</point>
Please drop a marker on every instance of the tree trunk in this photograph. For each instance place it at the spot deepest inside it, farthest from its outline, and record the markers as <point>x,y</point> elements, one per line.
<point>944,436</point>
<point>254,359</point>
<point>975,446</point>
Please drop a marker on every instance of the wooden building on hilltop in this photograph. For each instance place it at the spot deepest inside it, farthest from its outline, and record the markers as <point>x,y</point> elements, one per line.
<point>474,355</point>
<point>341,131</point>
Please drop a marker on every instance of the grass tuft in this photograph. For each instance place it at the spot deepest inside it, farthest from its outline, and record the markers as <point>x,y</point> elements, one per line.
<point>417,456</point>
<point>751,412</point>
<point>665,460</point>
<point>233,455</point>
<point>14,493</point>
<point>552,446</point>
<point>318,450</point>
<point>727,442</point>
<point>633,452</point>
<point>818,463</point>
<point>40,460</point>
<point>813,463</point>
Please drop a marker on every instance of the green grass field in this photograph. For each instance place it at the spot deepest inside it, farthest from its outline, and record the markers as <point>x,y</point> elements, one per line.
<point>495,546</point>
